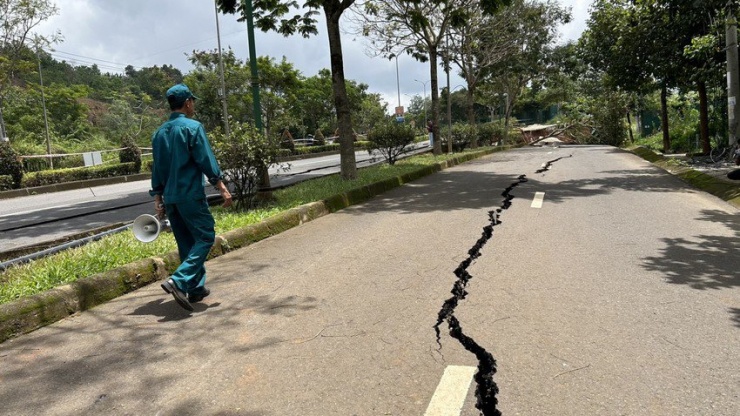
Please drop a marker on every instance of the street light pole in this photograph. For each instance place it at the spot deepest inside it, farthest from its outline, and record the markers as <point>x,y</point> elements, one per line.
<point>224,105</point>
<point>425,99</point>
<point>506,117</point>
<point>398,84</point>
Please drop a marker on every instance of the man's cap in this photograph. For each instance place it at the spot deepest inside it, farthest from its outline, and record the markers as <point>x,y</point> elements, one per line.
<point>179,93</point>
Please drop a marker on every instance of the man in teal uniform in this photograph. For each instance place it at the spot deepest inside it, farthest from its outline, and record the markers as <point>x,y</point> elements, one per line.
<point>182,156</point>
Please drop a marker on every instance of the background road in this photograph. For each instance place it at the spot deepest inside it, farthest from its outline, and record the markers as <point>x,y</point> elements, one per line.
<point>619,294</point>
<point>40,218</point>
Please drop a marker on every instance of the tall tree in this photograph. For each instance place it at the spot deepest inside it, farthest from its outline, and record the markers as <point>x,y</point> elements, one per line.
<point>280,83</point>
<point>479,45</point>
<point>417,28</point>
<point>647,43</point>
<point>204,80</point>
<point>268,15</point>
<point>18,18</point>
<point>535,30</point>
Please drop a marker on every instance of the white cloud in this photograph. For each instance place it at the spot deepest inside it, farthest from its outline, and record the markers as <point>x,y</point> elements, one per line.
<point>142,33</point>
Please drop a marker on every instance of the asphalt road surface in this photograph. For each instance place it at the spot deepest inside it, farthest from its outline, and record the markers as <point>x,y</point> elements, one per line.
<point>35,219</point>
<point>600,286</point>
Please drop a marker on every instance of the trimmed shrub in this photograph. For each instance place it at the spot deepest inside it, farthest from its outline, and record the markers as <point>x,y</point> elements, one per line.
<point>305,150</point>
<point>390,139</point>
<point>462,137</point>
<point>10,164</point>
<point>319,137</point>
<point>130,153</point>
<point>490,133</point>
<point>50,177</point>
<point>286,141</point>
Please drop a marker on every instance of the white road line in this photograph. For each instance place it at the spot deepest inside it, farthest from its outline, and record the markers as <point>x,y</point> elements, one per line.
<point>538,198</point>
<point>450,395</point>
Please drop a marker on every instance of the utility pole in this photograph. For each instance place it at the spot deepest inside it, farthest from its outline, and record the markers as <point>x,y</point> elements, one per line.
<point>257,108</point>
<point>733,74</point>
<point>224,105</point>
<point>46,120</point>
<point>449,97</point>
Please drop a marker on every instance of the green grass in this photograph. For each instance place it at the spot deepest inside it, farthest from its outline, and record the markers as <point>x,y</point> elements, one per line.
<point>120,249</point>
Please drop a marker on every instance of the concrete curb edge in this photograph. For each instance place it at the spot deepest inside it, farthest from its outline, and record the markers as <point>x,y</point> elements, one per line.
<point>723,190</point>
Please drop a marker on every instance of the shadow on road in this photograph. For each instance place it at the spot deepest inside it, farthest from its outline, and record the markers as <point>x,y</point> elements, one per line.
<point>703,262</point>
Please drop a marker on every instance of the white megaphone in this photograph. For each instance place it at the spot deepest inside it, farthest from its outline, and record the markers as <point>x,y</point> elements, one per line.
<point>147,227</point>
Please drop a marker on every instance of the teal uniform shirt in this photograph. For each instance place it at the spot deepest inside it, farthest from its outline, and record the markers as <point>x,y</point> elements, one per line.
<point>182,155</point>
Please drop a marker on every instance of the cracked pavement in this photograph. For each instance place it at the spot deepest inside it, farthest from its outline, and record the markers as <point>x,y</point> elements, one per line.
<point>619,296</point>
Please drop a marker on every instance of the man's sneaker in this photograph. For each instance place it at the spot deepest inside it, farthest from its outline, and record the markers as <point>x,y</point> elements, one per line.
<point>200,296</point>
<point>181,298</point>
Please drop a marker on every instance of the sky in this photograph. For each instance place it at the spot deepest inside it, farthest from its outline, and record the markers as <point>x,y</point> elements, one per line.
<point>144,33</point>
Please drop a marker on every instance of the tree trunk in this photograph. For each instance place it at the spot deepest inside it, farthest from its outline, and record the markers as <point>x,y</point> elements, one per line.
<point>341,102</point>
<point>704,118</point>
<point>3,135</point>
<point>664,118</point>
<point>435,100</point>
<point>471,113</point>
<point>629,123</point>
<point>508,104</point>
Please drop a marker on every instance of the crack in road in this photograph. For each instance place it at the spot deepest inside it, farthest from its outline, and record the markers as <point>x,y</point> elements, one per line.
<point>486,389</point>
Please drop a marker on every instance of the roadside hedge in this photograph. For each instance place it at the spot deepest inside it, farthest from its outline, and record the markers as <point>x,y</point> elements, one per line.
<point>50,177</point>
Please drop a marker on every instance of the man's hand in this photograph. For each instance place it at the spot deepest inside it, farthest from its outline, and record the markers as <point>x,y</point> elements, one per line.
<point>225,194</point>
<point>159,207</point>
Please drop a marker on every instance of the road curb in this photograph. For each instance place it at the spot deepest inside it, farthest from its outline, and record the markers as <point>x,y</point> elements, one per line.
<point>67,186</point>
<point>724,190</point>
<point>30,313</point>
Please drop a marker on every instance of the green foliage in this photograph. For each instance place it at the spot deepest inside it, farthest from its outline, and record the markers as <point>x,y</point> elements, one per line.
<point>319,137</point>
<point>390,139</point>
<point>132,124</point>
<point>286,141</point>
<point>609,117</point>
<point>10,164</point>
<point>6,182</point>
<point>243,155</point>
<point>307,150</point>
<point>463,135</point>
<point>49,177</point>
<point>154,81</point>
<point>490,133</point>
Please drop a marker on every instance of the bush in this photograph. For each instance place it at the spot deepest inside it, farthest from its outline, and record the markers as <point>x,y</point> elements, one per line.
<point>608,116</point>
<point>490,133</point>
<point>50,177</point>
<point>6,182</point>
<point>242,156</point>
<point>130,153</point>
<point>286,141</point>
<point>390,139</point>
<point>305,150</point>
<point>319,137</point>
<point>462,136</point>
<point>10,164</point>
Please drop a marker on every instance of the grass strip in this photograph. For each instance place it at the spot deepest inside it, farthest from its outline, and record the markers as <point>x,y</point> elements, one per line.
<point>120,249</point>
